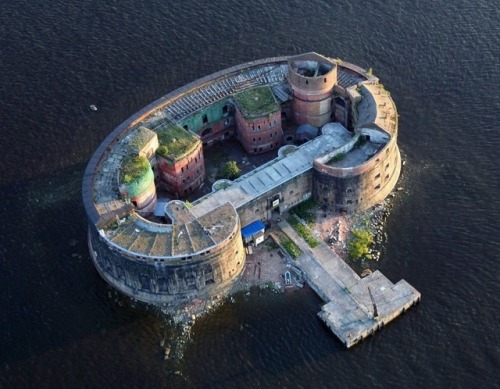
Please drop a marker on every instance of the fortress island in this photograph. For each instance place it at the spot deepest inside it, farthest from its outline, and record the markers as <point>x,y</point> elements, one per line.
<point>331,130</point>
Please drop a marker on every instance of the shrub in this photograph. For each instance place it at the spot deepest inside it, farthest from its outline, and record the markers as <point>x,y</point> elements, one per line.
<point>359,244</point>
<point>231,170</point>
<point>162,150</point>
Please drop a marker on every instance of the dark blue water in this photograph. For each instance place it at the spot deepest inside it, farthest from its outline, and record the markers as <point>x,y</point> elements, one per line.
<point>60,325</point>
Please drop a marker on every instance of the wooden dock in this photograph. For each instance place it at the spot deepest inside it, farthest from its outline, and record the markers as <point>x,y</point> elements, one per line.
<point>355,307</point>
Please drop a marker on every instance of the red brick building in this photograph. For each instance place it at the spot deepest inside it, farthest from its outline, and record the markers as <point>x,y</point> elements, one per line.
<point>180,162</point>
<point>258,120</point>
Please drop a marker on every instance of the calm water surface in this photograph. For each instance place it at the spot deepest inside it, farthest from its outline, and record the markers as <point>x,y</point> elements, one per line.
<point>61,326</point>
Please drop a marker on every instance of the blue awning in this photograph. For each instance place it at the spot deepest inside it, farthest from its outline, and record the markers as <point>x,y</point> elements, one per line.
<point>251,229</point>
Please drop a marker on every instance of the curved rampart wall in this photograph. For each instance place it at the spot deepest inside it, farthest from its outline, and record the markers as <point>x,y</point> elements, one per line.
<point>169,280</point>
<point>358,188</point>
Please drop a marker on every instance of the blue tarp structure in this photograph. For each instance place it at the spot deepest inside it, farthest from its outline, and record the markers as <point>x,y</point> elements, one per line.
<point>251,229</point>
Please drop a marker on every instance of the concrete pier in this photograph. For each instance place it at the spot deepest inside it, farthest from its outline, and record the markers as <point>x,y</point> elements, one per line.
<point>350,310</point>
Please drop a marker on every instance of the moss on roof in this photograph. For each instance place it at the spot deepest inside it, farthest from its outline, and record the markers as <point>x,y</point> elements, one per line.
<point>133,168</point>
<point>256,102</point>
<point>175,141</point>
<point>140,138</point>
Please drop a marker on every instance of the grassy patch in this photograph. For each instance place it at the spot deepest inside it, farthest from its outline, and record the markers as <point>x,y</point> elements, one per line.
<point>337,158</point>
<point>271,244</point>
<point>305,211</point>
<point>303,231</point>
<point>291,248</point>
<point>140,138</point>
<point>175,142</point>
<point>133,168</point>
<point>256,101</point>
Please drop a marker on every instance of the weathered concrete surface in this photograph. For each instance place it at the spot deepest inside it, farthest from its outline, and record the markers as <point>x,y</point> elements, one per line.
<point>349,311</point>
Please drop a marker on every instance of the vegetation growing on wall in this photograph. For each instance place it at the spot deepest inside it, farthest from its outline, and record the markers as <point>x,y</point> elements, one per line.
<point>305,211</point>
<point>303,231</point>
<point>133,168</point>
<point>359,244</point>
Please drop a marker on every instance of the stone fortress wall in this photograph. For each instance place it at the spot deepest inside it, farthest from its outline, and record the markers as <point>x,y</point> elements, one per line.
<point>196,255</point>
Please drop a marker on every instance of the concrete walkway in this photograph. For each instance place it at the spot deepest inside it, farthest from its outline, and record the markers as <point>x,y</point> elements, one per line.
<point>349,309</point>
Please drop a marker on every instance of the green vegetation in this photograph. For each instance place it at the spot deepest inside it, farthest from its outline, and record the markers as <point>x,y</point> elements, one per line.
<point>230,172</point>
<point>303,231</point>
<point>338,157</point>
<point>162,150</point>
<point>305,211</point>
<point>141,137</point>
<point>222,185</point>
<point>133,168</point>
<point>271,244</point>
<point>189,204</point>
<point>256,101</point>
<point>291,248</point>
<point>359,244</point>
<point>175,142</point>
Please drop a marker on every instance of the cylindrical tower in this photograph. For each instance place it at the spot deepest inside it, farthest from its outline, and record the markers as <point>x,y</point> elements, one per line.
<point>137,184</point>
<point>258,120</point>
<point>312,78</point>
<point>358,175</point>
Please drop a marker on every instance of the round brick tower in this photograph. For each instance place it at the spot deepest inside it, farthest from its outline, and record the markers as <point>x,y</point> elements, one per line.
<point>137,184</point>
<point>312,78</point>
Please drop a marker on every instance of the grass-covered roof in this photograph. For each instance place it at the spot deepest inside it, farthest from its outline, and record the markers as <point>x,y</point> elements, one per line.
<point>133,168</point>
<point>257,101</point>
<point>140,138</point>
<point>175,141</point>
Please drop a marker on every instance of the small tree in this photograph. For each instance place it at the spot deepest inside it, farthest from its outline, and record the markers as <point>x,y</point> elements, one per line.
<point>231,170</point>
<point>359,244</point>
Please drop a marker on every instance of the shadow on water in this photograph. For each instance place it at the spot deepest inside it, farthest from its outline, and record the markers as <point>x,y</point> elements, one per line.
<point>51,293</point>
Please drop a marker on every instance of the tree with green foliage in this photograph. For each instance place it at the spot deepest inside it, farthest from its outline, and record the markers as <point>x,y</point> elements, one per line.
<point>231,170</point>
<point>359,244</point>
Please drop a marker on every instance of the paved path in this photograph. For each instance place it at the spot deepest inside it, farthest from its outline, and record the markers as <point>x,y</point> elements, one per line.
<point>349,311</point>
